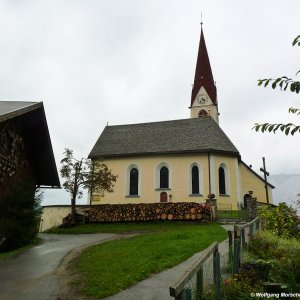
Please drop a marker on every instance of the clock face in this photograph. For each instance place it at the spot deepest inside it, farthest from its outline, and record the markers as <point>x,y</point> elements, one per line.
<point>202,99</point>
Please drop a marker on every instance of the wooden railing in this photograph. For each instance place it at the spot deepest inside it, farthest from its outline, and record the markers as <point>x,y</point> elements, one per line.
<point>179,290</point>
<point>246,231</point>
<point>238,239</point>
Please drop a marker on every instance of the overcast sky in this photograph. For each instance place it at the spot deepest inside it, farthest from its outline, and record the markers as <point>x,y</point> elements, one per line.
<point>131,61</point>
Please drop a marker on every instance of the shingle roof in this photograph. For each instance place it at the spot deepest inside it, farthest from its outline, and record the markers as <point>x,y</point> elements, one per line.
<point>32,119</point>
<point>10,109</point>
<point>179,136</point>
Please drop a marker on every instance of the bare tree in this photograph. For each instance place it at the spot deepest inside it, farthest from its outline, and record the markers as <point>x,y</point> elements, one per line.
<point>84,174</point>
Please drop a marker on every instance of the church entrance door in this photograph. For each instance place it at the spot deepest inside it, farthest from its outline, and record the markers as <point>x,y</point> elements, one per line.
<point>163,197</point>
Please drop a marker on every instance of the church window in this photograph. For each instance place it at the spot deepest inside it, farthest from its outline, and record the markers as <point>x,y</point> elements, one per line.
<point>222,182</point>
<point>134,182</point>
<point>164,178</point>
<point>195,180</point>
<point>202,113</point>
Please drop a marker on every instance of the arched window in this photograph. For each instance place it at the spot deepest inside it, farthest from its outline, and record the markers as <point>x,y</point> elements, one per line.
<point>134,182</point>
<point>164,178</point>
<point>202,113</point>
<point>195,180</point>
<point>222,181</point>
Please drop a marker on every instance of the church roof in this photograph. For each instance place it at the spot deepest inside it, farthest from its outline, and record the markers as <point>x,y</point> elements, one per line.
<point>196,135</point>
<point>32,119</point>
<point>203,73</point>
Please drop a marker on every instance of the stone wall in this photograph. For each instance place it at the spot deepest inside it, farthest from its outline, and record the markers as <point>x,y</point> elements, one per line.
<point>53,215</point>
<point>148,212</point>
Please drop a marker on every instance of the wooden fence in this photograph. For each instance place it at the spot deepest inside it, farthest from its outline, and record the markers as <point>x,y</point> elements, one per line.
<point>179,290</point>
<point>238,239</point>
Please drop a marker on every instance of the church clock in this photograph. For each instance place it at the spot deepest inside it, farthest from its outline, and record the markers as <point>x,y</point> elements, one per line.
<point>202,99</point>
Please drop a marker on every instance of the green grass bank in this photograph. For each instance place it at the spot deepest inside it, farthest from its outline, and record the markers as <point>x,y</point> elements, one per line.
<point>108,268</point>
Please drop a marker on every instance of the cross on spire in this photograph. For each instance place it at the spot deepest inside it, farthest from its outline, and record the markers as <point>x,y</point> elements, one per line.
<point>265,178</point>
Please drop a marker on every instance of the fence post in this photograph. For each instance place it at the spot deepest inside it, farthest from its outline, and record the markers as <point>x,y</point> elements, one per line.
<point>254,228</point>
<point>230,244</point>
<point>251,231</point>
<point>199,292</point>
<point>217,274</point>
<point>235,233</point>
<point>243,238</point>
<point>236,256</point>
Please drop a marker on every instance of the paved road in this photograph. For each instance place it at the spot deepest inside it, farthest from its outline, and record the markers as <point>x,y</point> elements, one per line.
<point>32,274</point>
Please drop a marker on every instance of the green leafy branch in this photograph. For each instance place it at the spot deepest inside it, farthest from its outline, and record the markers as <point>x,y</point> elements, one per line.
<point>284,83</point>
<point>286,128</point>
<point>296,41</point>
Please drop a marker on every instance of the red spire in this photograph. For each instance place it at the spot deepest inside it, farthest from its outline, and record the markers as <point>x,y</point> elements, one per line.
<point>203,73</point>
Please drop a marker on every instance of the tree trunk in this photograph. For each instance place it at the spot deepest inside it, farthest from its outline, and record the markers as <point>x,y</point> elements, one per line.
<point>75,191</point>
<point>73,210</point>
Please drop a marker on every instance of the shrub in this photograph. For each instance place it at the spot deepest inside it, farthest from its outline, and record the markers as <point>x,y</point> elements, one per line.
<point>281,254</point>
<point>18,215</point>
<point>281,220</point>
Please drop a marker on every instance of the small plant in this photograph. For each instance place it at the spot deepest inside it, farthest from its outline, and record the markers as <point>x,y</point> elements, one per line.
<point>238,287</point>
<point>241,286</point>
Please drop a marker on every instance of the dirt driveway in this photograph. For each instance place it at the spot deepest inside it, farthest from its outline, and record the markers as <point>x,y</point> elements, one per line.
<point>36,273</point>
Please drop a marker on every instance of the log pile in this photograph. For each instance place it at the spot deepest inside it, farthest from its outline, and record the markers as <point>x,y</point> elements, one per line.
<point>148,212</point>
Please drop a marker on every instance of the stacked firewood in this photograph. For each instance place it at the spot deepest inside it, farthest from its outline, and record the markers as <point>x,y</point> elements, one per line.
<point>148,212</point>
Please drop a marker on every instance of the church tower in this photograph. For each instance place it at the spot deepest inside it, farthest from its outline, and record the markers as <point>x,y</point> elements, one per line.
<point>204,92</point>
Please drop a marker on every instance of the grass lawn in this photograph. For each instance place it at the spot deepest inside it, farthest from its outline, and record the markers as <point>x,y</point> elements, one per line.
<point>109,268</point>
<point>231,214</point>
<point>114,228</point>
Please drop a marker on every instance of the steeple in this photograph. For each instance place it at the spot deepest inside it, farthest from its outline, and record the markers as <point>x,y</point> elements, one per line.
<point>204,92</point>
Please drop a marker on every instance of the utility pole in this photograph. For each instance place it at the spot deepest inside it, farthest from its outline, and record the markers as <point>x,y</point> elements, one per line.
<point>265,177</point>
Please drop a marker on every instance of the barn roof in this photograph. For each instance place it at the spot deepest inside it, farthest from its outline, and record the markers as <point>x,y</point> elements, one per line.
<point>196,135</point>
<point>32,119</point>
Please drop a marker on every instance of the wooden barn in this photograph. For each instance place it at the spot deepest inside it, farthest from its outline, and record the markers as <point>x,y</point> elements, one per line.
<point>25,146</point>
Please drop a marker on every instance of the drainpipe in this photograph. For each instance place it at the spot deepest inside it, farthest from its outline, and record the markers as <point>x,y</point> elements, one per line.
<point>209,179</point>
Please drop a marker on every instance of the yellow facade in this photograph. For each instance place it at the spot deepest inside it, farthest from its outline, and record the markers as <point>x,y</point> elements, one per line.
<point>251,182</point>
<point>239,180</point>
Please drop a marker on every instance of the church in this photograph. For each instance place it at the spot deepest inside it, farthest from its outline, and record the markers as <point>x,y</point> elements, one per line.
<point>180,160</point>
